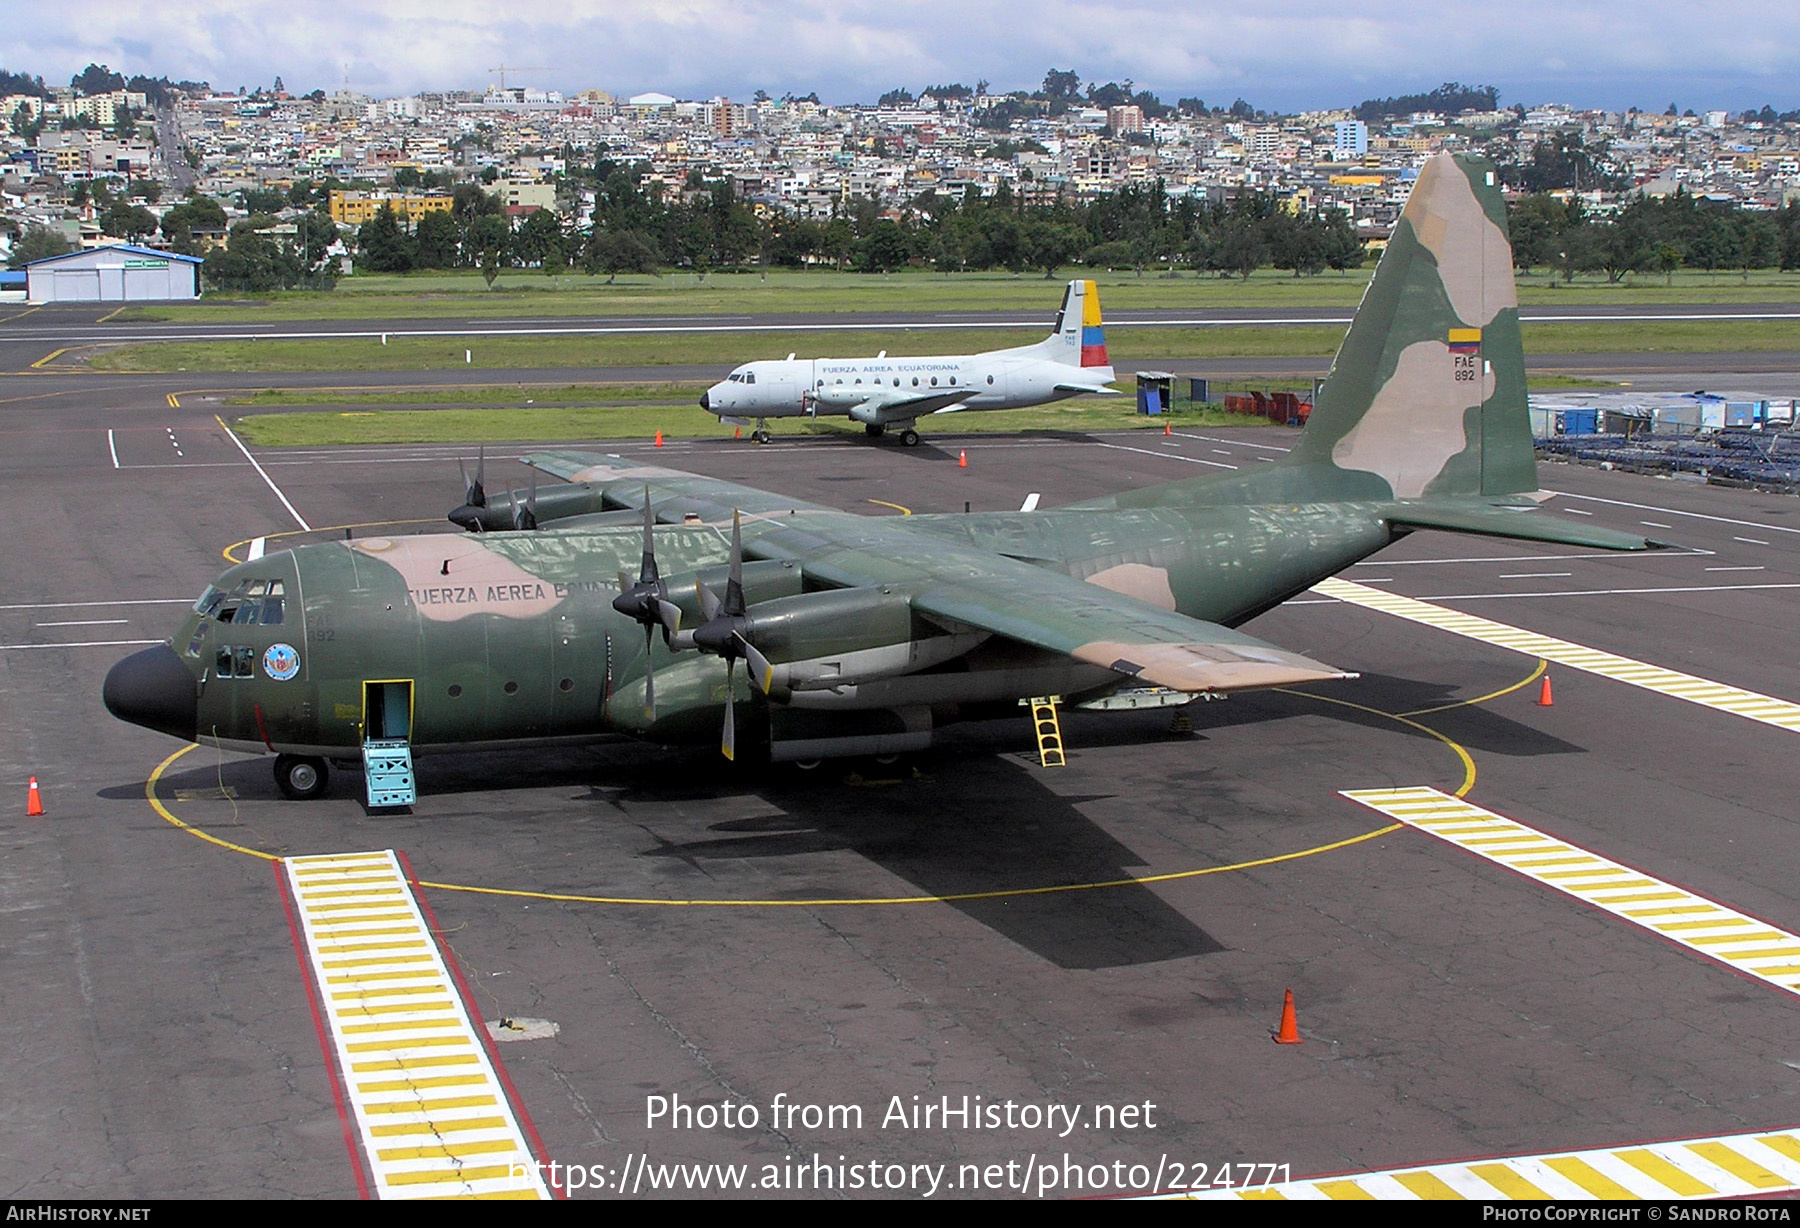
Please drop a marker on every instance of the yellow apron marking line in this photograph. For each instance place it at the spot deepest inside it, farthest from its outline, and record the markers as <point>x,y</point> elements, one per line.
<point>1740,941</point>
<point>1747,704</point>
<point>390,1022</point>
<point>1729,1166</point>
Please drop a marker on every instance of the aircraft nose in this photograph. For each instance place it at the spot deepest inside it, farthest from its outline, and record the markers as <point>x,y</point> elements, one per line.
<point>706,400</point>
<point>154,689</point>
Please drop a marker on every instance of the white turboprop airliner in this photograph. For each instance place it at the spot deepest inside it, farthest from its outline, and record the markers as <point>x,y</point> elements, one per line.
<point>883,392</point>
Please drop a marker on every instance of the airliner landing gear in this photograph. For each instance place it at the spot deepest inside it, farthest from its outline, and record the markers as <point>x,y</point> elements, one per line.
<point>909,438</point>
<point>874,430</point>
<point>761,433</point>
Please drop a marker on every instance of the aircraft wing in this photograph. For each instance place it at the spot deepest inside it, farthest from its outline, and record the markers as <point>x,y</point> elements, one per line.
<point>968,588</point>
<point>894,405</point>
<point>958,585</point>
<point>1119,633</point>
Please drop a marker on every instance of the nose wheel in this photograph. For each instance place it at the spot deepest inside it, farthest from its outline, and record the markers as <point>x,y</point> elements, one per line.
<point>909,438</point>
<point>301,777</point>
<point>761,433</point>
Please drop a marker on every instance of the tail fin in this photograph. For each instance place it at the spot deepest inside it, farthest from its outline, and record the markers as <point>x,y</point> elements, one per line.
<point>1077,339</point>
<point>1428,390</point>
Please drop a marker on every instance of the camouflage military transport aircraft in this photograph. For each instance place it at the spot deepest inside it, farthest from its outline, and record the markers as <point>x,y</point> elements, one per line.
<point>620,603</point>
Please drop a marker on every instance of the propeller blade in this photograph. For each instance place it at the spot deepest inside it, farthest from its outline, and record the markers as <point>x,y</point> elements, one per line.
<point>728,742</point>
<point>709,602</point>
<point>480,476</point>
<point>649,676</point>
<point>762,674</point>
<point>647,573</point>
<point>671,617</point>
<point>734,587</point>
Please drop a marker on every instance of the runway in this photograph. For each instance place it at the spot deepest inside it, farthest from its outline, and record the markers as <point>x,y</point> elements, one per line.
<point>1113,935</point>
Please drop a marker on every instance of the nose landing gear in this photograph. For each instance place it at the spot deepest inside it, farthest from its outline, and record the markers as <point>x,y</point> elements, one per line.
<point>301,777</point>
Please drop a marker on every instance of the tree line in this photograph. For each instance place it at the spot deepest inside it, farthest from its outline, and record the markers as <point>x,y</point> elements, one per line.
<point>637,228</point>
<point>1651,234</point>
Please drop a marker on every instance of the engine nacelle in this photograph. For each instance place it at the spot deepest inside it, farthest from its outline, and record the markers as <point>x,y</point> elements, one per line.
<point>832,622</point>
<point>824,641</point>
<point>764,580</point>
<point>842,396</point>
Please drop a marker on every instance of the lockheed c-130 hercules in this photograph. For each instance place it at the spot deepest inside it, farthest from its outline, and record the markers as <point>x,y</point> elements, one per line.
<point>621,603</point>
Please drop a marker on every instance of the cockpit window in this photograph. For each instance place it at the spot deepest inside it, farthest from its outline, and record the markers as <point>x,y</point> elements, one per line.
<point>749,377</point>
<point>252,602</point>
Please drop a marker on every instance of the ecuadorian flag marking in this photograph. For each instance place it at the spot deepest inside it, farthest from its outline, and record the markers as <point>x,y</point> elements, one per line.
<point>1093,336</point>
<point>1465,341</point>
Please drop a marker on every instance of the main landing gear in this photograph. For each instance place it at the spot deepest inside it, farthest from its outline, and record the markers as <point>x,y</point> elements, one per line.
<point>301,777</point>
<point>909,438</point>
<point>761,433</point>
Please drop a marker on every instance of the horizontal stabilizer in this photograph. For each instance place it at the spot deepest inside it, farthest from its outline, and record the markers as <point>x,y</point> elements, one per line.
<point>1099,390</point>
<point>1523,524</point>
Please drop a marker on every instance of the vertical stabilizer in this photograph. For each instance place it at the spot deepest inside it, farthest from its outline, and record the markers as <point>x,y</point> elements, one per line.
<point>1078,339</point>
<point>1428,390</point>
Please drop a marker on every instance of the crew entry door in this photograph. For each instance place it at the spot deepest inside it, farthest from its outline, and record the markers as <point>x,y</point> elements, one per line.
<point>387,711</point>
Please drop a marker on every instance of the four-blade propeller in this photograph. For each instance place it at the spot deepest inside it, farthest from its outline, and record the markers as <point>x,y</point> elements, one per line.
<point>726,634</point>
<point>647,602</point>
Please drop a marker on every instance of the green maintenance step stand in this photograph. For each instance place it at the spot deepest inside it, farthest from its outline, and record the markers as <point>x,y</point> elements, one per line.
<point>388,773</point>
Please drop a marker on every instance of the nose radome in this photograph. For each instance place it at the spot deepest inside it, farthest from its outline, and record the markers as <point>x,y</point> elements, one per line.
<point>154,689</point>
<point>706,400</point>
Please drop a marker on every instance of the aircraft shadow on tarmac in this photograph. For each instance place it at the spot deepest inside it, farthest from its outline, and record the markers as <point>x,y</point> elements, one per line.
<point>987,823</point>
<point>1477,727</point>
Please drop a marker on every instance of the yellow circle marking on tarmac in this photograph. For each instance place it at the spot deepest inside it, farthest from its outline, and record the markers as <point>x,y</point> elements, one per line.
<point>329,528</point>
<point>962,897</point>
<point>1461,753</point>
<point>156,805</point>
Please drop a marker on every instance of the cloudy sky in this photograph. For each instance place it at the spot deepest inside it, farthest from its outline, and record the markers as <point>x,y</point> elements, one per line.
<point>1278,54</point>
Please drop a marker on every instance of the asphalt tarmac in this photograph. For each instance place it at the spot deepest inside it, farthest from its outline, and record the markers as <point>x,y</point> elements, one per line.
<point>162,1043</point>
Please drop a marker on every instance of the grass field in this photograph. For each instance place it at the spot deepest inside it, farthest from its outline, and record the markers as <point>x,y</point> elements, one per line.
<point>590,395</point>
<point>679,419</point>
<point>1126,346</point>
<point>463,294</point>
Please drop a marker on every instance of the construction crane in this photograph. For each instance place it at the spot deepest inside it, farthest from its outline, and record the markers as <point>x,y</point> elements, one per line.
<point>505,68</point>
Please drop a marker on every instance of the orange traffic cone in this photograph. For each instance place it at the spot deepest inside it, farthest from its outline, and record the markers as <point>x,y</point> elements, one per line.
<point>34,804</point>
<point>737,432</point>
<point>1168,428</point>
<point>962,460</point>
<point>659,439</point>
<point>1289,1034</point>
<point>1545,700</point>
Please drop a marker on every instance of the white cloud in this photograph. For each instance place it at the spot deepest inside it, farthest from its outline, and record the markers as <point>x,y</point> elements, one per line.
<point>1277,53</point>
